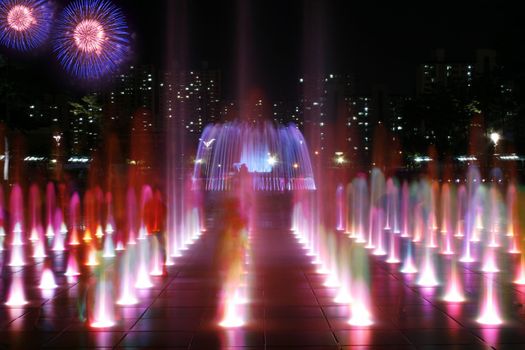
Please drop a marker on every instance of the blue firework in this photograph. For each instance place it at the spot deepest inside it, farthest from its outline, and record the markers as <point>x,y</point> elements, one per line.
<point>91,38</point>
<point>24,24</point>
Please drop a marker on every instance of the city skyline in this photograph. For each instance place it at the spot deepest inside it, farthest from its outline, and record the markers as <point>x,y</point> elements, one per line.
<point>261,174</point>
<point>137,103</point>
<point>208,67</point>
<point>376,44</point>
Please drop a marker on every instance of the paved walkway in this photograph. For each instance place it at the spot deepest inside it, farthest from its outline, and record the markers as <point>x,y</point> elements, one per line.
<point>289,308</point>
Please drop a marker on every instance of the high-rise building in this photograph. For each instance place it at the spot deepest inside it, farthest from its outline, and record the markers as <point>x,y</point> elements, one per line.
<point>456,75</point>
<point>194,96</point>
<point>321,105</point>
<point>359,125</point>
<point>455,97</point>
<point>135,89</point>
<point>85,125</point>
<point>286,112</point>
<point>367,113</point>
<point>433,76</point>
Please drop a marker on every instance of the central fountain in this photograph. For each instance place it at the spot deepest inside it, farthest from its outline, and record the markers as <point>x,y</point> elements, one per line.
<point>274,158</point>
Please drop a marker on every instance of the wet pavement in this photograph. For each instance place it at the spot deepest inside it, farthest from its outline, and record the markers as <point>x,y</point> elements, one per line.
<point>289,308</point>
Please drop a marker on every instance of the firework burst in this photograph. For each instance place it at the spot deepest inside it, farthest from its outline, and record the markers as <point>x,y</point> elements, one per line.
<point>91,38</point>
<point>24,24</point>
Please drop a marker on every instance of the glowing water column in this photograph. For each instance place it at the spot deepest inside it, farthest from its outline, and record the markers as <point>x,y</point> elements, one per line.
<point>17,228</point>
<point>233,295</point>
<point>103,310</point>
<point>275,157</point>
<point>489,306</point>
<point>16,294</point>
<point>2,223</point>
<point>454,291</point>
<point>360,307</point>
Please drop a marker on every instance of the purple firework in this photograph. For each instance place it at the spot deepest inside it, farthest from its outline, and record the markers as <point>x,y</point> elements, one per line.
<point>91,39</point>
<point>24,24</point>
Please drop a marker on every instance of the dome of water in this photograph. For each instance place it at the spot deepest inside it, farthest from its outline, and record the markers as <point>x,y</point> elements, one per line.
<point>272,158</point>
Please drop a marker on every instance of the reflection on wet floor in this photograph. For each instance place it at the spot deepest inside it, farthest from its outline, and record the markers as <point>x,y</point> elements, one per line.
<point>287,304</point>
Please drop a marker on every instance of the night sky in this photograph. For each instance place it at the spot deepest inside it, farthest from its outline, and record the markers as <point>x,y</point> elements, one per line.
<point>376,42</point>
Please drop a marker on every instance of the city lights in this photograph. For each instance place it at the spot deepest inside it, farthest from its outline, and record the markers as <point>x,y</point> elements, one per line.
<point>495,137</point>
<point>339,158</point>
<point>422,159</point>
<point>247,174</point>
<point>467,158</point>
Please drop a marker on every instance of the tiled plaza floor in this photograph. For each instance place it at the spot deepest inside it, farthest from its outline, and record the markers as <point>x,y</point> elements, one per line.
<point>289,308</point>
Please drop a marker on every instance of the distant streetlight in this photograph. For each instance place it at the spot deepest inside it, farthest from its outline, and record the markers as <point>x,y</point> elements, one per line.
<point>339,158</point>
<point>495,137</point>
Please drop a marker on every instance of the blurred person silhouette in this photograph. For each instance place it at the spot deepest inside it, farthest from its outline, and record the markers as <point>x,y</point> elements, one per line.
<point>155,220</point>
<point>230,253</point>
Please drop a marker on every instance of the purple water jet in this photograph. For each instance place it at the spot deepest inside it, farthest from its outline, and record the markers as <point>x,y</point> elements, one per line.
<point>275,158</point>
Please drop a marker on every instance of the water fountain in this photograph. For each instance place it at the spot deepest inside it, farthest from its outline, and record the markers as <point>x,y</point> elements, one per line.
<point>275,158</point>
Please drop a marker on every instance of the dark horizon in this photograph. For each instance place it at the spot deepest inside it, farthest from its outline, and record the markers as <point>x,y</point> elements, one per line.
<point>374,43</point>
